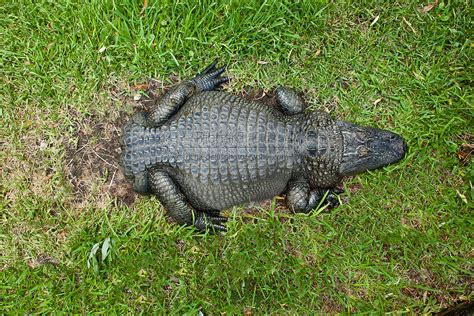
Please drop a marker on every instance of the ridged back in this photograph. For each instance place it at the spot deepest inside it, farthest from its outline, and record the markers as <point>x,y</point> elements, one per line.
<point>141,147</point>
<point>222,138</point>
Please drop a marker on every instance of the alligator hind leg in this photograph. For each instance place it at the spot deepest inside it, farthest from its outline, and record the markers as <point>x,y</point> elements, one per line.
<point>171,102</point>
<point>140,118</point>
<point>300,198</point>
<point>177,205</point>
<point>289,101</point>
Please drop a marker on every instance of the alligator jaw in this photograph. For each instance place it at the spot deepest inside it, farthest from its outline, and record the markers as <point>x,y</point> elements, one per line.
<point>367,148</point>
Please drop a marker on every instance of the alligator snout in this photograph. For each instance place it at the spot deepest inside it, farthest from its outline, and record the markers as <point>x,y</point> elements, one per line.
<point>387,142</point>
<point>401,146</point>
<point>367,148</point>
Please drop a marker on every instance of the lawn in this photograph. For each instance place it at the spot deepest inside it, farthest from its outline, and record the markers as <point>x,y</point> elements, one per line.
<point>74,238</point>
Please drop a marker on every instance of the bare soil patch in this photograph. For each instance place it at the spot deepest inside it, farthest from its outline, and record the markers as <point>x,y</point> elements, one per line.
<point>92,162</point>
<point>92,166</point>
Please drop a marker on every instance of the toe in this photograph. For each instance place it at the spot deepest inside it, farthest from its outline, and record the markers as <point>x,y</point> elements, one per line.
<point>210,67</point>
<point>217,72</point>
<point>219,228</point>
<point>220,81</point>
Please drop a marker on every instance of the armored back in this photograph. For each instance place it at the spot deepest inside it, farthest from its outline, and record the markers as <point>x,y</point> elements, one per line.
<point>322,149</point>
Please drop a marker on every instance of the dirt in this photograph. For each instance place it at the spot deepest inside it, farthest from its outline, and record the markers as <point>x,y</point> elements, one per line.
<point>92,165</point>
<point>92,162</point>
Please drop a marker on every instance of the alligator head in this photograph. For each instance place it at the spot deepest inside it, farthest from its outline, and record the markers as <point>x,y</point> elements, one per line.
<point>367,148</point>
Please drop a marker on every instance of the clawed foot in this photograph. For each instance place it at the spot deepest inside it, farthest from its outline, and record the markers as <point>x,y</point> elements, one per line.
<point>321,198</point>
<point>212,223</point>
<point>210,78</point>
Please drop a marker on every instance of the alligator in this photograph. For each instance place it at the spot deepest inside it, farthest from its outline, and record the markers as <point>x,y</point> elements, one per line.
<point>201,150</point>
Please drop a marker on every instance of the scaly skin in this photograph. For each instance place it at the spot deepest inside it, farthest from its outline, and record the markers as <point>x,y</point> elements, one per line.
<point>201,151</point>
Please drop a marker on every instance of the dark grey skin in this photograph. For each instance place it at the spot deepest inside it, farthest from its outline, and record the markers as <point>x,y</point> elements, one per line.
<point>201,151</point>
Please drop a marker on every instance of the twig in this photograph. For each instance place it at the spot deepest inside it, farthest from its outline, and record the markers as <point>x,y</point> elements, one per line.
<point>409,24</point>
<point>105,160</point>
<point>112,180</point>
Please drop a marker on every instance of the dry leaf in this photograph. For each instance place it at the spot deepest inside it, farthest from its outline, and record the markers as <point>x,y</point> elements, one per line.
<point>462,196</point>
<point>141,86</point>
<point>62,234</point>
<point>318,52</point>
<point>465,153</point>
<point>145,4</point>
<point>409,24</point>
<point>43,144</point>
<point>418,76</point>
<point>375,20</point>
<point>47,47</point>
<point>428,7</point>
<point>142,273</point>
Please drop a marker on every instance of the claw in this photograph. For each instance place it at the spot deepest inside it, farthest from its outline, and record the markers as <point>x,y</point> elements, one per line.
<point>332,198</point>
<point>328,198</point>
<point>218,82</point>
<point>210,78</point>
<point>338,191</point>
<point>209,68</point>
<point>332,201</point>
<point>218,219</point>
<point>217,73</point>
<point>209,222</point>
<point>219,228</point>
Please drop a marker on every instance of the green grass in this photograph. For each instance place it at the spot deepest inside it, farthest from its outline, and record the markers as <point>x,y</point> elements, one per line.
<point>401,241</point>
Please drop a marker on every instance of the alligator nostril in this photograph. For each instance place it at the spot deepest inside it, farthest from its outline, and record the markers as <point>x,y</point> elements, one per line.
<point>401,147</point>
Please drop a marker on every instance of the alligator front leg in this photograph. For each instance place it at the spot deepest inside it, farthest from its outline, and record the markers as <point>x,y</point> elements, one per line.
<point>289,101</point>
<point>171,102</point>
<point>177,205</point>
<point>300,198</point>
